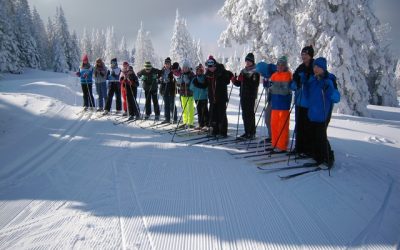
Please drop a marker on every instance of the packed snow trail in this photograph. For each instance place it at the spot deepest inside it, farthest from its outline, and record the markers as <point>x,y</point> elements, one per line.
<point>72,181</point>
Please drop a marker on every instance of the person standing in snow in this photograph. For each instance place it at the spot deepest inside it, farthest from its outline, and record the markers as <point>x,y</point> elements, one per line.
<point>86,77</point>
<point>217,80</point>
<point>248,81</point>
<point>200,93</point>
<point>131,83</point>
<point>321,97</point>
<point>281,97</point>
<point>149,76</point>
<point>168,92</point>
<point>266,70</point>
<point>100,77</point>
<point>301,76</point>
<point>123,80</point>
<point>114,87</point>
<point>186,95</point>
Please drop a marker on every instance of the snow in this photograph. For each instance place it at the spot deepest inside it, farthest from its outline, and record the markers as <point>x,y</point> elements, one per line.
<point>71,180</point>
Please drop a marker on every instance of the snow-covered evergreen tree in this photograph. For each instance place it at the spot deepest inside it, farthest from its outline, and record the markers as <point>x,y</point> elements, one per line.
<point>40,35</point>
<point>98,44</point>
<point>86,45</point>
<point>111,50</point>
<point>22,23</point>
<point>199,53</point>
<point>182,47</point>
<point>233,63</point>
<point>144,50</point>
<point>75,52</point>
<point>58,59</point>
<point>64,36</point>
<point>123,54</point>
<point>9,50</point>
<point>132,56</point>
<point>345,32</point>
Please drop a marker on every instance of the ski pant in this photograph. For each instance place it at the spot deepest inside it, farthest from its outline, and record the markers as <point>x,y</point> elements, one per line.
<point>320,147</point>
<point>151,95</point>
<point>248,115</point>
<point>101,89</point>
<point>132,105</point>
<point>187,109</point>
<point>88,100</point>
<point>202,112</point>
<point>280,129</point>
<point>114,88</point>
<point>267,118</point>
<point>219,120</point>
<point>169,107</point>
<point>302,131</point>
<point>123,95</point>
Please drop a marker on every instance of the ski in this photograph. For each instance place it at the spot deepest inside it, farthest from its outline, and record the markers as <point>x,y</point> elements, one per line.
<point>287,177</point>
<point>261,149</point>
<point>279,158</point>
<point>272,169</point>
<point>264,152</point>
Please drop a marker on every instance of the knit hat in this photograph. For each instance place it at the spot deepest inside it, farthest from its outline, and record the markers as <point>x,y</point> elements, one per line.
<point>200,66</point>
<point>125,64</point>
<point>250,58</point>
<point>175,66</point>
<point>85,58</point>
<point>114,60</point>
<point>185,64</point>
<point>147,65</point>
<point>309,50</point>
<point>282,61</point>
<point>167,60</point>
<point>321,63</point>
<point>211,62</point>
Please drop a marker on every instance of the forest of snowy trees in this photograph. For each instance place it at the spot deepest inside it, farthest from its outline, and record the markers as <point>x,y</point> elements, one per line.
<point>26,42</point>
<point>347,33</point>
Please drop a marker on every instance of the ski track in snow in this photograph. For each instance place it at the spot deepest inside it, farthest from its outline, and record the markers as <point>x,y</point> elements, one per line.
<point>90,184</point>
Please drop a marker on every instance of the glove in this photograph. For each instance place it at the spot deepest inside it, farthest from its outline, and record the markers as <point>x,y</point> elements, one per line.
<point>78,74</point>
<point>266,83</point>
<point>122,78</point>
<point>233,79</point>
<point>240,78</point>
<point>85,75</point>
<point>143,78</point>
<point>177,73</point>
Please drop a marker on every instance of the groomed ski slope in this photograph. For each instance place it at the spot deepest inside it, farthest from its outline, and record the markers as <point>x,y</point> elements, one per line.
<point>69,180</point>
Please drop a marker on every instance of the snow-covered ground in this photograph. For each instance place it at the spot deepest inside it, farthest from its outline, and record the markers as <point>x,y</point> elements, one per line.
<point>69,180</point>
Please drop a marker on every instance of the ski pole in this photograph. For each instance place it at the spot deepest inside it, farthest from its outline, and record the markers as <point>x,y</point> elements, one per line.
<point>180,118</point>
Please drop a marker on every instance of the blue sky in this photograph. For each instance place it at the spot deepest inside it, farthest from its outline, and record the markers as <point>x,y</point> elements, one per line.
<point>158,18</point>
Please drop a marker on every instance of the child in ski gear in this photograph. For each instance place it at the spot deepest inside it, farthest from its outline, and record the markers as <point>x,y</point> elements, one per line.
<point>168,91</point>
<point>321,97</point>
<point>149,76</point>
<point>217,80</point>
<point>131,84</point>
<point>301,76</point>
<point>123,80</point>
<point>281,97</point>
<point>248,81</point>
<point>114,87</point>
<point>100,77</point>
<point>266,70</point>
<point>86,74</point>
<point>186,95</point>
<point>200,93</point>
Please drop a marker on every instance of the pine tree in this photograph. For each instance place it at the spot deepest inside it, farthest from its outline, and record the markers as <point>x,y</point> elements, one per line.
<point>199,53</point>
<point>23,26</point>
<point>64,36</point>
<point>75,52</point>
<point>346,33</point>
<point>9,49</point>
<point>40,35</point>
<point>98,44</point>
<point>111,45</point>
<point>144,50</point>
<point>58,59</point>
<point>86,45</point>
<point>182,47</point>
<point>123,54</point>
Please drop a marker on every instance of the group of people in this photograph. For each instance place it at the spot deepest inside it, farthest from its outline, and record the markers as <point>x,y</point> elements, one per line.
<point>314,87</point>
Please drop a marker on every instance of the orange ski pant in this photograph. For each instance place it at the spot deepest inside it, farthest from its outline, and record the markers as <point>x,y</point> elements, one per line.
<point>280,129</point>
